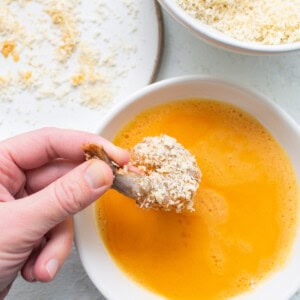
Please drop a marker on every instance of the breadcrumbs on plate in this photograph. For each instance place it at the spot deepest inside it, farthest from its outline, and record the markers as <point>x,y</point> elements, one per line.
<point>71,55</point>
<point>77,79</point>
<point>63,18</point>
<point>8,48</point>
<point>259,21</point>
<point>171,170</point>
<point>25,77</point>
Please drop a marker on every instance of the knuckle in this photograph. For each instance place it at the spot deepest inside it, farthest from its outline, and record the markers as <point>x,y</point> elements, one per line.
<point>67,197</point>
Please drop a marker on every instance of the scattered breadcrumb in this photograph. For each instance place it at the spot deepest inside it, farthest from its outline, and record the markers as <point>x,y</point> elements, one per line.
<point>63,50</point>
<point>63,17</point>
<point>259,21</point>
<point>172,171</point>
<point>8,48</point>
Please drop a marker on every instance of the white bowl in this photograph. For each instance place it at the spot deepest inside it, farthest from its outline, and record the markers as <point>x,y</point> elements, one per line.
<point>217,38</point>
<point>99,265</point>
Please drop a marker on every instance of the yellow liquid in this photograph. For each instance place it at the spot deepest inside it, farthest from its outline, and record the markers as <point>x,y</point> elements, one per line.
<point>246,207</point>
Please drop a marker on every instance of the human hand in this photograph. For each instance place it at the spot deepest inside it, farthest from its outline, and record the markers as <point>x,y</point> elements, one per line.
<point>43,181</point>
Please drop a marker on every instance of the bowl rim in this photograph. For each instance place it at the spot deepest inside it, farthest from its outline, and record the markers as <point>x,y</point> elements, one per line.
<point>168,83</point>
<point>217,38</point>
<point>117,108</point>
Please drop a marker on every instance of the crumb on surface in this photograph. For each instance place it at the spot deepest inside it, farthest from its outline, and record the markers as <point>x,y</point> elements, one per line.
<point>8,48</point>
<point>70,54</point>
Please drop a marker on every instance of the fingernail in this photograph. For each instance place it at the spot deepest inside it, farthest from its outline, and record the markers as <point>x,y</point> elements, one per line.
<point>95,176</point>
<point>31,275</point>
<point>52,267</point>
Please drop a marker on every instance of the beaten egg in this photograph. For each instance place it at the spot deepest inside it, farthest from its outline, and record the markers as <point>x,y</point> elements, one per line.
<point>245,217</point>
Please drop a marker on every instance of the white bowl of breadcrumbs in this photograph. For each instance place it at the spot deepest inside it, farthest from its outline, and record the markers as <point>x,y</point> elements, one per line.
<point>111,280</point>
<point>246,26</point>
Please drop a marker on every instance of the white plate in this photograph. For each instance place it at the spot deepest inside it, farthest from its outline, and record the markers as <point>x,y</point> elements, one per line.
<point>124,36</point>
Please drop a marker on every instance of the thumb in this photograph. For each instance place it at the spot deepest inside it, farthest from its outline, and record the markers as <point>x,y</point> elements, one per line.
<point>67,195</point>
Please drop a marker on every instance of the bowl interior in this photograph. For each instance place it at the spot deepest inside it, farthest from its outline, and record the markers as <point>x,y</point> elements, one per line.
<point>217,38</point>
<point>102,270</point>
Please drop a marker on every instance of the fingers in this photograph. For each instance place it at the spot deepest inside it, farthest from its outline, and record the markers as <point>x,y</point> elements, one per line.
<point>64,197</point>
<point>5,195</point>
<point>27,270</point>
<point>4,293</point>
<point>41,177</point>
<point>46,261</point>
<point>34,149</point>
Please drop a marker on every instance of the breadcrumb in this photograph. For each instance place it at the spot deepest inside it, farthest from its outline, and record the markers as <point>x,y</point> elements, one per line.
<point>259,21</point>
<point>8,48</point>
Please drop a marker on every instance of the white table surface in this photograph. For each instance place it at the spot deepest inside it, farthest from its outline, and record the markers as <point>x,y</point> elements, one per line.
<point>278,77</point>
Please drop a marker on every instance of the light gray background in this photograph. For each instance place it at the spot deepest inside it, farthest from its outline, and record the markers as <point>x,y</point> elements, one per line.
<point>278,77</point>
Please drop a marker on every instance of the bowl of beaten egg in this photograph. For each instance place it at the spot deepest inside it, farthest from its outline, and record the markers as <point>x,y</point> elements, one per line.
<point>242,240</point>
<point>247,26</point>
